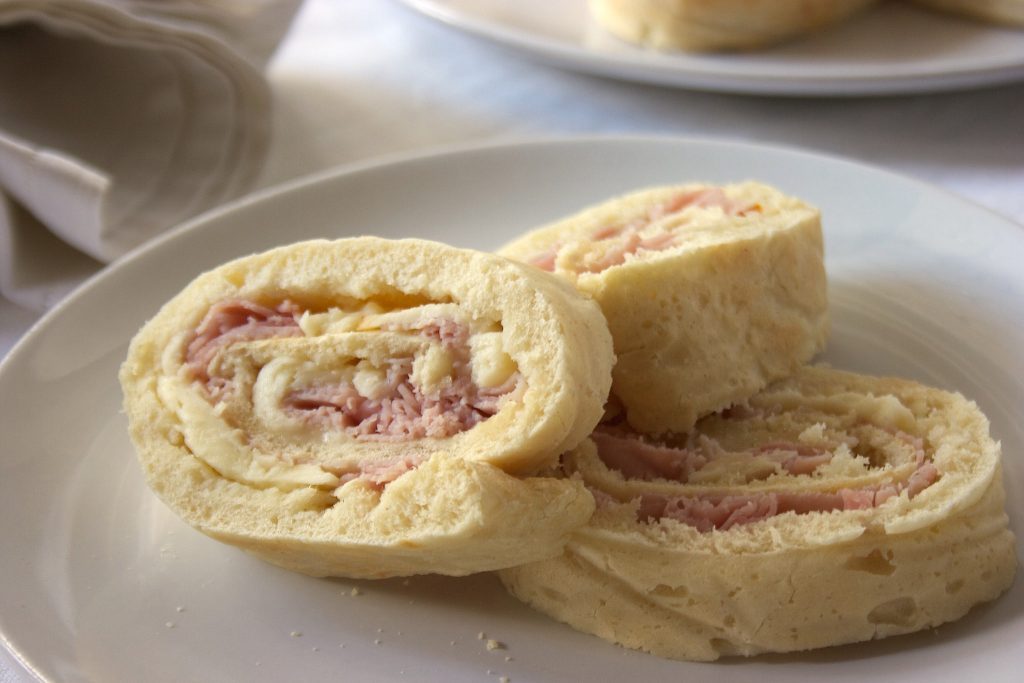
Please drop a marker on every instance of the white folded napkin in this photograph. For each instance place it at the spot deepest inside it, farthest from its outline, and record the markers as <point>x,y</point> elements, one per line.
<point>119,119</point>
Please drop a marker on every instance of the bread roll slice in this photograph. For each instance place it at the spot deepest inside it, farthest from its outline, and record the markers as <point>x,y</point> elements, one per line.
<point>831,508</point>
<point>370,408</point>
<point>708,25</point>
<point>710,292</point>
<point>1008,12</point>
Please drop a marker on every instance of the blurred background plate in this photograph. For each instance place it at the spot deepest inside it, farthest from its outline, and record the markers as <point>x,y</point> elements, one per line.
<point>891,49</point>
<point>100,582</point>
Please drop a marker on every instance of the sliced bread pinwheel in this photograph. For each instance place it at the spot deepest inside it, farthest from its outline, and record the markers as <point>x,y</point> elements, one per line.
<point>370,408</point>
<point>1009,12</point>
<point>830,508</point>
<point>710,292</point>
<point>708,25</point>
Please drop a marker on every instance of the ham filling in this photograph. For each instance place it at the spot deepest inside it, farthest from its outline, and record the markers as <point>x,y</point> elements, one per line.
<point>378,473</point>
<point>545,260</point>
<point>405,412</point>
<point>233,321</point>
<point>632,242</point>
<point>636,459</point>
<point>722,512</point>
<point>402,410</point>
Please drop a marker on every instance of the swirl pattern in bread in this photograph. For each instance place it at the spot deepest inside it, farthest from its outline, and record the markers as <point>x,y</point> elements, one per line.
<point>370,408</point>
<point>710,292</point>
<point>707,25</point>
<point>831,508</point>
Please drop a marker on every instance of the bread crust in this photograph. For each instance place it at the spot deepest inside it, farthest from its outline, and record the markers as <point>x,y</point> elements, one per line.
<point>735,303</point>
<point>792,581</point>
<point>254,477</point>
<point>708,25</point>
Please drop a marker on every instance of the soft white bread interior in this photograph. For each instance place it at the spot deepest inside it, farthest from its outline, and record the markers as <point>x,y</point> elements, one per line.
<point>706,25</point>
<point>831,508</point>
<point>370,408</point>
<point>710,292</point>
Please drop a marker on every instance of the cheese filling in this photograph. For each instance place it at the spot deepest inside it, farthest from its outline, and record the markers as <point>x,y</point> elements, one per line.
<point>747,464</point>
<point>283,380</point>
<point>661,227</point>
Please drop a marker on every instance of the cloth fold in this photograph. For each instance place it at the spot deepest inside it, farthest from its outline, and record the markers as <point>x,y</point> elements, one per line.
<point>121,118</point>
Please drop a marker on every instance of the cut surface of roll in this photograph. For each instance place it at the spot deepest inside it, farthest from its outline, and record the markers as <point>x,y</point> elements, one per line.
<point>1009,12</point>
<point>831,508</point>
<point>708,25</point>
<point>370,408</point>
<point>710,292</point>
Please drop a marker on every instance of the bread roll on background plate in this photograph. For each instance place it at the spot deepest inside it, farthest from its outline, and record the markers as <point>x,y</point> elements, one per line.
<point>370,408</point>
<point>1009,12</point>
<point>710,292</point>
<point>830,508</point>
<point>706,25</point>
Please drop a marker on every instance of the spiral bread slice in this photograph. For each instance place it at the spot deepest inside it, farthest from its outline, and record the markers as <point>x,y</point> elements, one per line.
<point>370,408</point>
<point>830,508</point>
<point>1009,12</point>
<point>707,25</point>
<point>710,292</point>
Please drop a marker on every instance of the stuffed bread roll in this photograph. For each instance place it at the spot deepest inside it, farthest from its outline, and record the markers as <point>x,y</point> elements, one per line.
<point>1010,12</point>
<point>370,408</point>
<point>830,508</point>
<point>706,25</point>
<point>710,292</point>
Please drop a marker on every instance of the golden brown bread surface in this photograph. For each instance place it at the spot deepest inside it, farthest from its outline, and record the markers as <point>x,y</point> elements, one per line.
<point>710,292</point>
<point>707,25</point>
<point>370,408</point>
<point>646,575</point>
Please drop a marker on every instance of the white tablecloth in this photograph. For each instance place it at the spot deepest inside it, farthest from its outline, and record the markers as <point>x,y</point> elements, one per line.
<point>361,78</point>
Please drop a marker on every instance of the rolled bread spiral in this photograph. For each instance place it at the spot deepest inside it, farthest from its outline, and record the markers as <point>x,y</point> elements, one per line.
<point>708,25</point>
<point>830,508</point>
<point>710,292</point>
<point>370,408</point>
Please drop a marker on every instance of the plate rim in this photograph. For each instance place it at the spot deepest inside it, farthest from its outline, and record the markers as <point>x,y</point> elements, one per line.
<point>625,67</point>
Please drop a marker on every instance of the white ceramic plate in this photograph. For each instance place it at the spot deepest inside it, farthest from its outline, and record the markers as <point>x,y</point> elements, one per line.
<point>93,569</point>
<point>894,48</point>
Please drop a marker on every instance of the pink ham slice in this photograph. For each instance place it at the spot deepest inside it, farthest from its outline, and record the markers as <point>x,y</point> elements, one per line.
<point>722,512</point>
<point>635,458</point>
<point>404,413</point>
<point>704,198</point>
<point>380,473</point>
<point>545,260</point>
<point>233,321</point>
<point>633,244</point>
<point>621,450</point>
<point>706,514</point>
<point>804,458</point>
